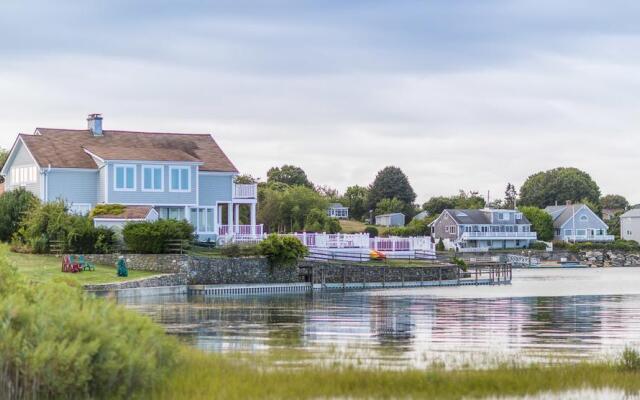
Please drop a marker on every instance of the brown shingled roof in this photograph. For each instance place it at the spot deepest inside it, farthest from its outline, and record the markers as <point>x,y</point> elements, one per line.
<point>64,148</point>
<point>130,212</point>
<point>140,154</point>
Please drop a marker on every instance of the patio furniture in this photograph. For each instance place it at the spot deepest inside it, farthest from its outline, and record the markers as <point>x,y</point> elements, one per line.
<point>86,265</point>
<point>69,264</point>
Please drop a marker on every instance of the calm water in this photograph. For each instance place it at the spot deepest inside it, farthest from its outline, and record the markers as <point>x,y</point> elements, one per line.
<point>543,315</point>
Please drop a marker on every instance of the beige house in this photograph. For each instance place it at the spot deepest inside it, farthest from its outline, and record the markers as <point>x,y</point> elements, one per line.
<point>630,225</point>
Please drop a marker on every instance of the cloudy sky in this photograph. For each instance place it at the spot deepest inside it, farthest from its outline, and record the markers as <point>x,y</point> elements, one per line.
<point>461,94</point>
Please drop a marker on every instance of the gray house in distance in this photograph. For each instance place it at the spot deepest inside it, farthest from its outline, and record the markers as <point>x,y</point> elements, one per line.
<point>577,223</point>
<point>630,225</point>
<point>393,219</point>
<point>486,228</point>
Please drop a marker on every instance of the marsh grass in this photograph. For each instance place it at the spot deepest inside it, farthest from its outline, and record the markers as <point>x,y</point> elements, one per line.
<point>203,376</point>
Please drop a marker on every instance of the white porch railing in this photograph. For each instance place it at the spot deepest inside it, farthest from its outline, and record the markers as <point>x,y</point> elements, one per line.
<point>589,238</point>
<point>499,235</point>
<point>224,230</point>
<point>245,191</point>
<point>422,243</point>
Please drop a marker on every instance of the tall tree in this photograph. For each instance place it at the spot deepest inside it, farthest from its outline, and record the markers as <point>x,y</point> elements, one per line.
<point>387,206</point>
<point>15,205</point>
<point>437,204</point>
<point>285,208</point>
<point>510,196</point>
<point>558,185</point>
<point>355,197</point>
<point>290,175</point>
<point>541,222</point>
<point>614,202</point>
<point>390,183</point>
<point>4,154</point>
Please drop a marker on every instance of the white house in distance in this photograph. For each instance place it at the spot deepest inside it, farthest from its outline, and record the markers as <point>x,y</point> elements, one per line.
<point>337,210</point>
<point>630,225</point>
<point>577,223</point>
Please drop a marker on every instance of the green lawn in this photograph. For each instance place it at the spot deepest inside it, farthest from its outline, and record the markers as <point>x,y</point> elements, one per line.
<point>352,226</point>
<point>43,268</point>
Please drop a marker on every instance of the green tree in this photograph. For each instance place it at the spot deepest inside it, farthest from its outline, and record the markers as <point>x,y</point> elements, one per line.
<point>510,196</point>
<point>613,225</point>
<point>559,185</point>
<point>290,175</point>
<point>390,183</point>
<point>15,205</point>
<point>471,200</point>
<point>614,202</point>
<point>387,206</point>
<point>355,197</point>
<point>245,179</point>
<point>436,205</point>
<point>318,221</point>
<point>541,222</point>
<point>4,154</point>
<point>285,209</point>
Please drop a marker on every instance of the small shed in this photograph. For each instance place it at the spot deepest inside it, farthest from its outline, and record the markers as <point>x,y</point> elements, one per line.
<point>129,214</point>
<point>393,219</point>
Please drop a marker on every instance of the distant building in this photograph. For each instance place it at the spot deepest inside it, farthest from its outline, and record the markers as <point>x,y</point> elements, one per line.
<point>577,223</point>
<point>337,210</point>
<point>486,228</point>
<point>608,213</point>
<point>421,215</point>
<point>393,219</point>
<point>630,225</point>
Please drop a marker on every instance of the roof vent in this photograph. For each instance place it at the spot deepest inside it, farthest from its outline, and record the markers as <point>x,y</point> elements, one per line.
<point>94,121</point>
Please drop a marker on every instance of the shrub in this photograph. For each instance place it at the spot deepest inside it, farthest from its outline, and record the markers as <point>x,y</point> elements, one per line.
<point>282,250</point>
<point>440,245</point>
<point>538,245</point>
<point>371,230</point>
<point>107,209</point>
<point>460,263</point>
<point>15,205</point>
<point>74,233</point>
<point>541,222</point>
<point>239,250</point>
<point>58,342</point>
<point>156,237</point>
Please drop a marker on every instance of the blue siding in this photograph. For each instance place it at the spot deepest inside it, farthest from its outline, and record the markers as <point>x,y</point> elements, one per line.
<point>73,186</point>
<point>140,197</point>
<point>215,188</point>
<point>101,179</point>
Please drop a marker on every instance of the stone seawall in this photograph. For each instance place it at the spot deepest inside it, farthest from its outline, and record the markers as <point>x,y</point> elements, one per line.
<point>153,281</point>
<point>355,273</point>
<point>161,263</point>
<point>214,271</point>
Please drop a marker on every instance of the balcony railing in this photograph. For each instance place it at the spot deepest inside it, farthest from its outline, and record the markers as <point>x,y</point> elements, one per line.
<point>499,235</point>
<point>589,238</point>
<point>240,230</point>
<point>245,191</point>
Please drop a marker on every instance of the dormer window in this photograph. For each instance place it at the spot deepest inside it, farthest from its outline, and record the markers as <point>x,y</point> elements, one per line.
<point>584,218</point>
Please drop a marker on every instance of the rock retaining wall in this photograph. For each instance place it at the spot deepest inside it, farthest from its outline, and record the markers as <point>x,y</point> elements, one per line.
<point>213,271</point>
<point>162,263</point>
<point>355,273</point>
<point>153,281</point>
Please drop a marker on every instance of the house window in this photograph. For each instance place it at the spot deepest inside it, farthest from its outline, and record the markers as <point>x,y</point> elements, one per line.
<point>446,229</point>
<point>125,177</point>
<point>171,212</point>
<point>584,218</point>
<point>452,229</point>
<point>153,178</point>
<point>581,232</point>
<point>568,232</point>
<point>180,179</point>
<point>24,175</point>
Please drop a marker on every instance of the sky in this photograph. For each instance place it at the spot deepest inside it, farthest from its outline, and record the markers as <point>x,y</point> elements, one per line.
<point>460,94</point>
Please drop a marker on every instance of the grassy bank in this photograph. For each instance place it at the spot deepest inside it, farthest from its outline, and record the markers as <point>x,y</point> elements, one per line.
<point>204,376</point>
<point>44,268</point>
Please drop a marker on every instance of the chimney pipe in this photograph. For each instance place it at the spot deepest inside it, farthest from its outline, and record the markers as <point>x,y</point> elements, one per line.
<point>94,122</point>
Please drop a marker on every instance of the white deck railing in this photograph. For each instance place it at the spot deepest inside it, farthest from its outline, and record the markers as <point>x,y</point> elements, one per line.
<point>363,241</point>
<point>494,235</point>
<point>589,238</point>
<point>245,191</point>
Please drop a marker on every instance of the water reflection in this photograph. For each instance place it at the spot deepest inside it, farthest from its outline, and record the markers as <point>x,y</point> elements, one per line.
<point>410,327</point>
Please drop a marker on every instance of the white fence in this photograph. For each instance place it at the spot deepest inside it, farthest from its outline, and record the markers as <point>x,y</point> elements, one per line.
<point>363,241</point>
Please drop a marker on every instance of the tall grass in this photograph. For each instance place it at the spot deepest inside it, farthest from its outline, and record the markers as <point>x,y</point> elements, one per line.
<point>57,342</point>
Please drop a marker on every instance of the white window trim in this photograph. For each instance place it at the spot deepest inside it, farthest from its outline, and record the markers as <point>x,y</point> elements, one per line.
<point>115,175</point>
<point>153,167</point>
<point>197,222</point>
<point>171,179</point>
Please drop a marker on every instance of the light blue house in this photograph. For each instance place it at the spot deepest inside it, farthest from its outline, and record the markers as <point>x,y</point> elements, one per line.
<point>577,223</point>
<point>181,176</point>
<point>392,219</point>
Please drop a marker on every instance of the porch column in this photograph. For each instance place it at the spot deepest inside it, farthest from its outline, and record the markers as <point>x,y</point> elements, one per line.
<point>252,217</point>
<point>236,214</point>
<point>230,217</point>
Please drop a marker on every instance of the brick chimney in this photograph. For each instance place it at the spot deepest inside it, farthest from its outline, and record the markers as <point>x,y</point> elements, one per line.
<point>94,122</point>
